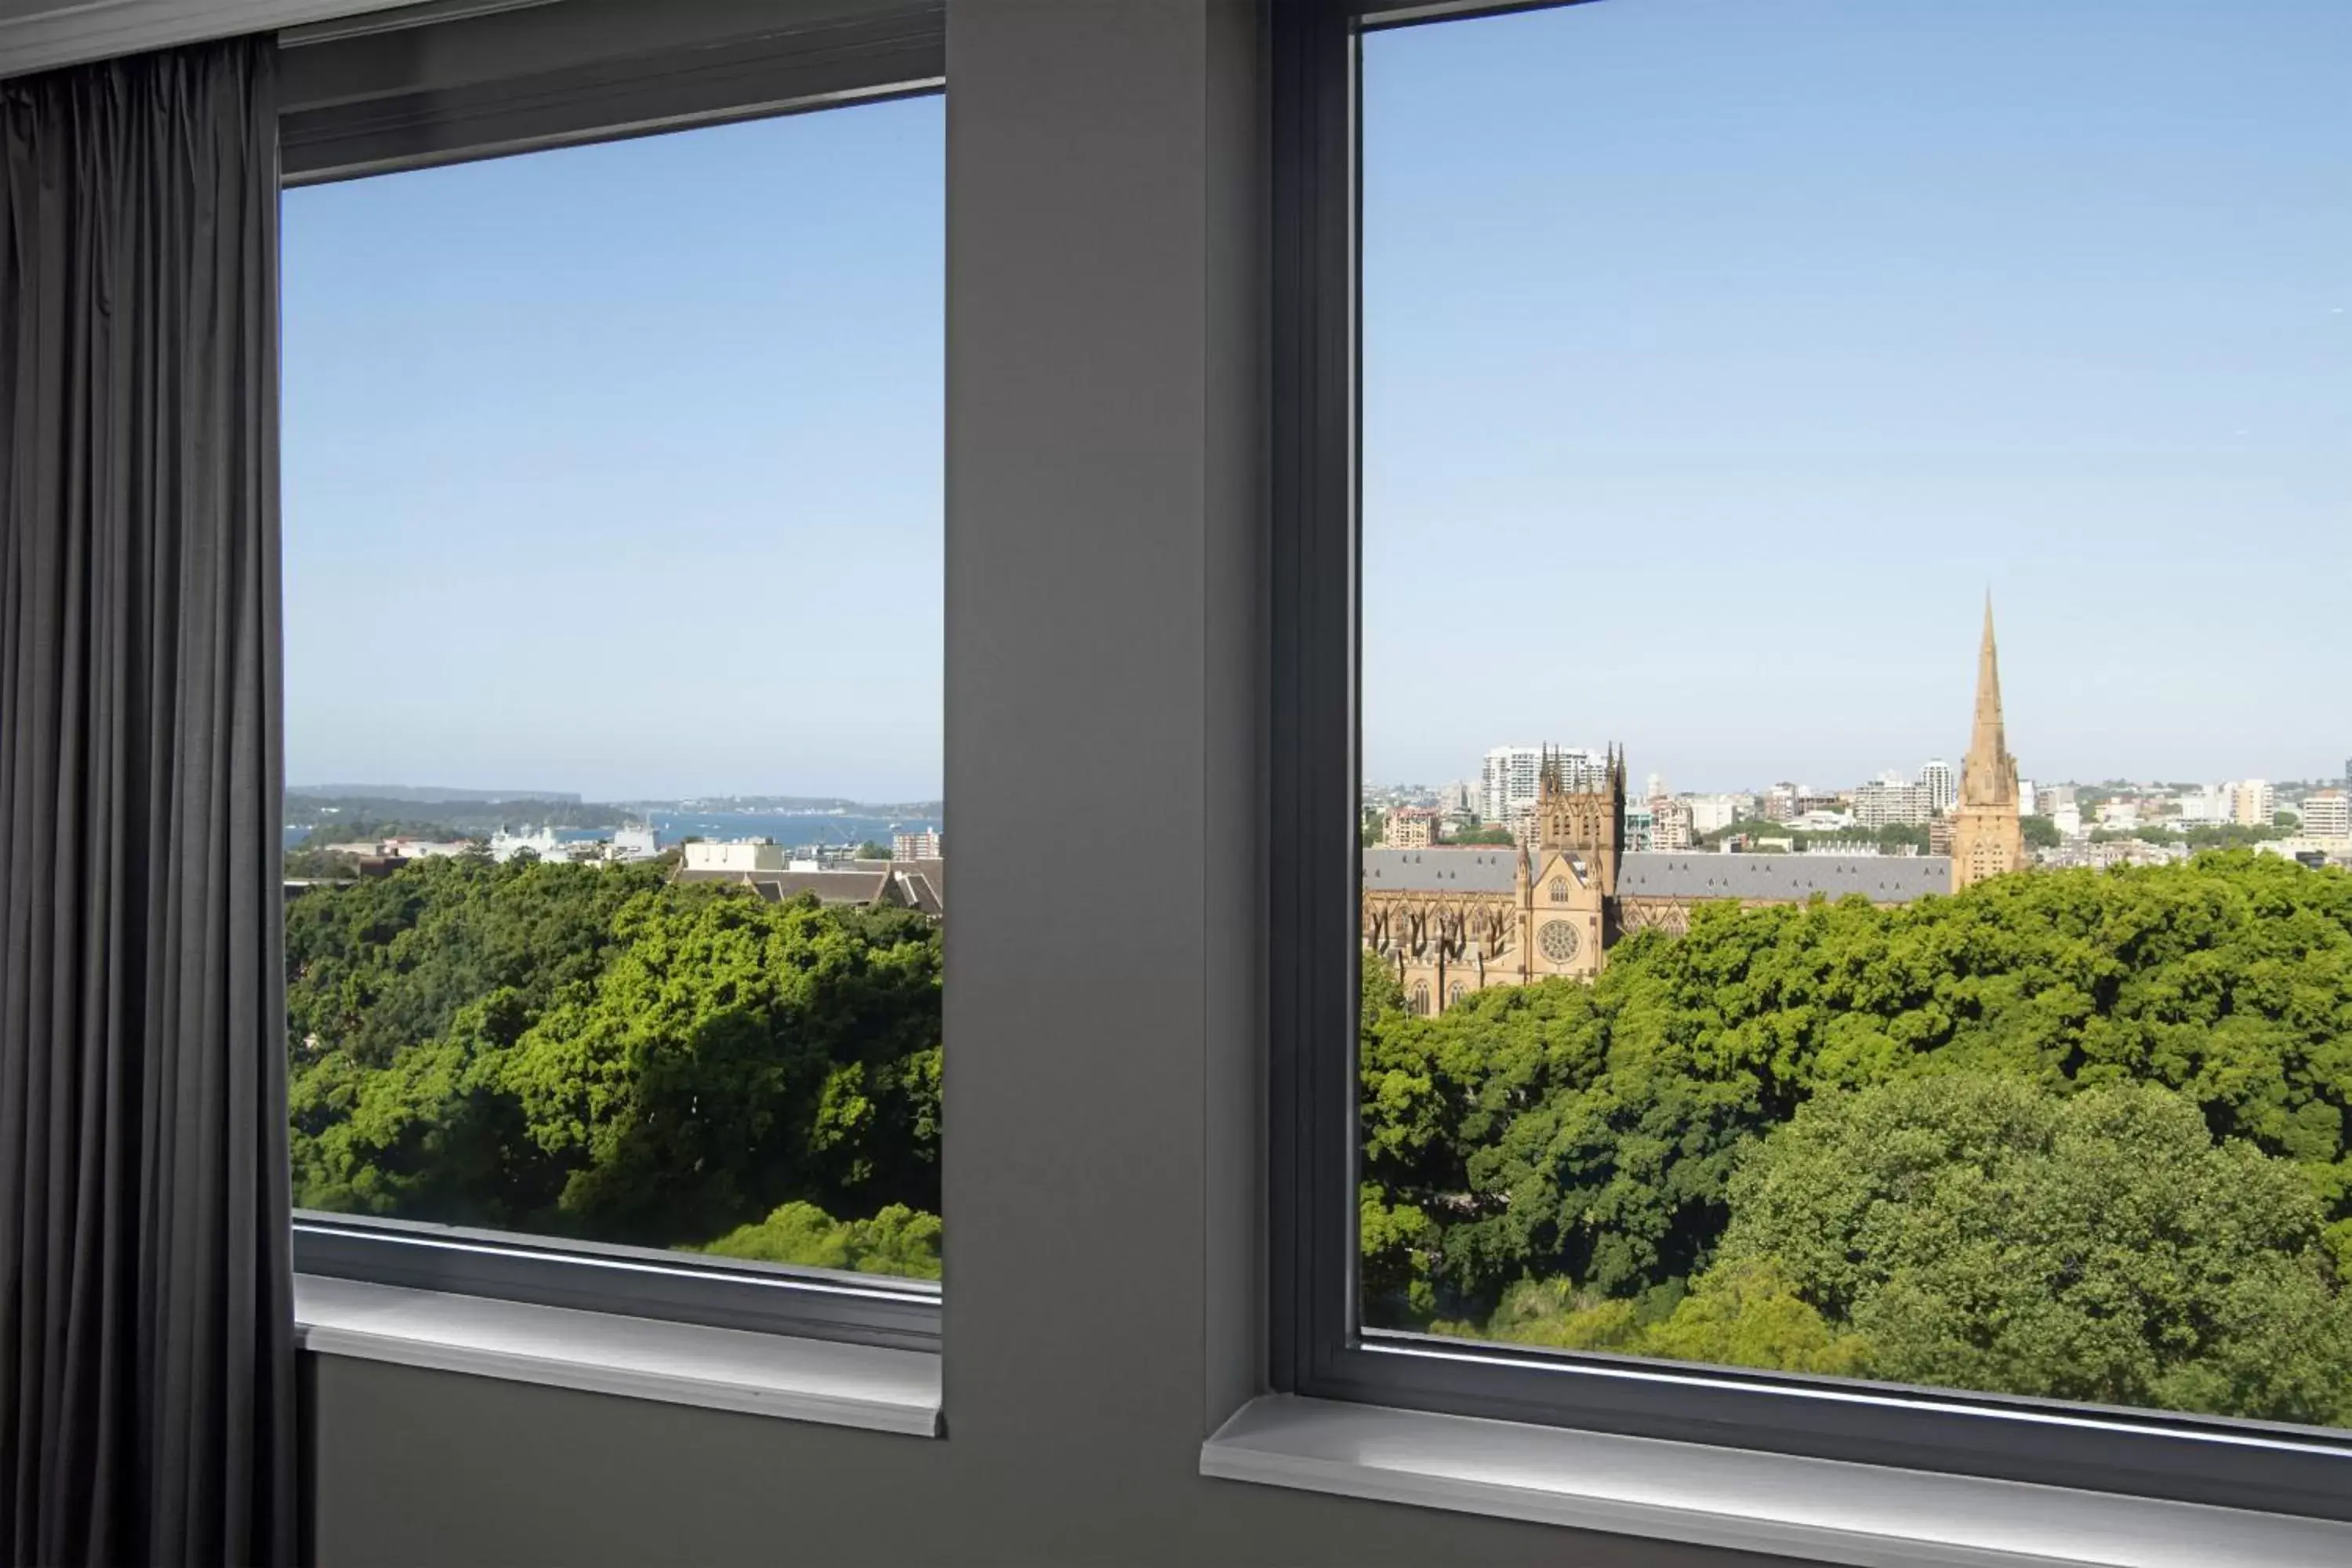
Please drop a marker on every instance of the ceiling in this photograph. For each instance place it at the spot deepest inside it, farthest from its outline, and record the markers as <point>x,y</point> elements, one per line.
<point>35,34</point>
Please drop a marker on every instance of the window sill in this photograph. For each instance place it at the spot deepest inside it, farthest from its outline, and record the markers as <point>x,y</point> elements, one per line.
<point>638,1358</point>
<point>1822,1510</point>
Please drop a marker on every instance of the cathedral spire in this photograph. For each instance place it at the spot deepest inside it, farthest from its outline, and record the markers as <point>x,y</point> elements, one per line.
<point>1987,838</point>
<point>1988,739</point>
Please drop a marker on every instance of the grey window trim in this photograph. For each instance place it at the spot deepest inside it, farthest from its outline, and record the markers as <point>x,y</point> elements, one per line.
<point>1318,1345</point>
<point>481,82</point>
<point>638,1282</point>
<point>374,101</point>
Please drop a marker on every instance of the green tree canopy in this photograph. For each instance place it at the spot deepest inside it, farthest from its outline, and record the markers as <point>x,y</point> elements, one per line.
<point>598,1051</point>
<point>1589,1131</point>
<point>899,1240</point>
<point>1982,1232</point>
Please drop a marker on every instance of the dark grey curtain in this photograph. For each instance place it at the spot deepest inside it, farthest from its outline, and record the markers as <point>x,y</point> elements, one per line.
<point>146,1323</point>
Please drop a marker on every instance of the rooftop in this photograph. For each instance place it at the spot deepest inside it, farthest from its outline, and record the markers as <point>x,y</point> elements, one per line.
<point>1882,878</point>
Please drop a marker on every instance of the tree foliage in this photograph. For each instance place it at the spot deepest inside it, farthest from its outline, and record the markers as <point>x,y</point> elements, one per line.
<point>597,1052</point>
<point>1592,1134</point>
<point>1977,1231</point>
<point>899,1240</point>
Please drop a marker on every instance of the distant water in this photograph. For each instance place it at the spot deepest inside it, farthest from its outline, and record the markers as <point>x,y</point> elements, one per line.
<point>792,827</point>
<point>795,828</point>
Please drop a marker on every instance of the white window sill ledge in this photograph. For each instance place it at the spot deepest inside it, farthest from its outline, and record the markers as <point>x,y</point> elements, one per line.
<point>681,1363</point>
<point>1820,1509</point>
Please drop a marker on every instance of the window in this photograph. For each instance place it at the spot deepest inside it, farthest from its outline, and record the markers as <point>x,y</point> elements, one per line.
<point>2009,1141</point>
<point>614,558</point>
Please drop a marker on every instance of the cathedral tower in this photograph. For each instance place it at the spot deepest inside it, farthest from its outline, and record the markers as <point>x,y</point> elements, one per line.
<point>1986,838</point>
<point>1568,892</point>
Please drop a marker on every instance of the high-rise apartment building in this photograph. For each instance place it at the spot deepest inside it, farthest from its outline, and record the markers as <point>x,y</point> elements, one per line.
<point>919,846</point>
<point>2327,813</point>
<point>1509,780</point>
<point>1987,838</point>
<point>1671,824</point>
<point>1941,782</point>
<point>1410,827</point>
<point>1891,801</point>
<point>2253,801</point>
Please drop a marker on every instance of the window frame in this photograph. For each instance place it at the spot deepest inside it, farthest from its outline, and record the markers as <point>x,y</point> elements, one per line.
<point>408,91</point>
<point>1318,1345</point>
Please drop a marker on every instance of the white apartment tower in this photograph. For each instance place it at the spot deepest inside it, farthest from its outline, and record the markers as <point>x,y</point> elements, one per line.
<point>1508,780</point>
<point>1890,800</point>
<point>2327,813</point>
<point>1942,783</point>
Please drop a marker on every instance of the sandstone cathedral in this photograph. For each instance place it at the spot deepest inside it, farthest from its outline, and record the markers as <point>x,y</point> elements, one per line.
<point>1448,922</point>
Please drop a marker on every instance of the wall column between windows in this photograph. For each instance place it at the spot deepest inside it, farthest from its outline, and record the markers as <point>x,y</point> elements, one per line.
<point>1105,665</point>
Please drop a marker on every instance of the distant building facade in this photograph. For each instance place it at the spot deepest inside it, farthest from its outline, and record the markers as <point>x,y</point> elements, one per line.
<point>2327,813</point>
<point>2253,801</point>
<point>1942,783</point>
<point>1892,801</point>
<point>1507,781</point>
<point>923,845</point>
<point>544,843</point>
<point>1714,813</point>
<point>734,856</point>
<point>1410,827</point>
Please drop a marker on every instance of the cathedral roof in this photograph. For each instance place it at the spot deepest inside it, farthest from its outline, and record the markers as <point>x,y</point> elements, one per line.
<point>1881,879</point>
<point>1489,870</point>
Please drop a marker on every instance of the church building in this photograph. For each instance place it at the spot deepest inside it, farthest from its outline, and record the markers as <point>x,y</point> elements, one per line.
<point>1450,922</point>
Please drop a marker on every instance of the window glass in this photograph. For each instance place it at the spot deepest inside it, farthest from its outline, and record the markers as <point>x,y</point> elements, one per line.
<point>613,575</point>
<point>1858,496</point>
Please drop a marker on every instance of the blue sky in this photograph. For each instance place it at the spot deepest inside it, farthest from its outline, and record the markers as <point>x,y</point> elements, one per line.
<point>1719,355</point>
<point>618,469</point>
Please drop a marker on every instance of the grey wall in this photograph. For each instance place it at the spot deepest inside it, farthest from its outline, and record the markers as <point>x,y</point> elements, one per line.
<point>1104,629</point>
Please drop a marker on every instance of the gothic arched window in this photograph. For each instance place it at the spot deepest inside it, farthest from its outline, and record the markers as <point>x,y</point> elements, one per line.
<point>1420,997</point>
<point>1559,890</point>
<point>1453,994</point>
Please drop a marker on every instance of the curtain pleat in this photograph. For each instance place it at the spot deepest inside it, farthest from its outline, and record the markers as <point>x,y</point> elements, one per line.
<point>146,1319</point>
